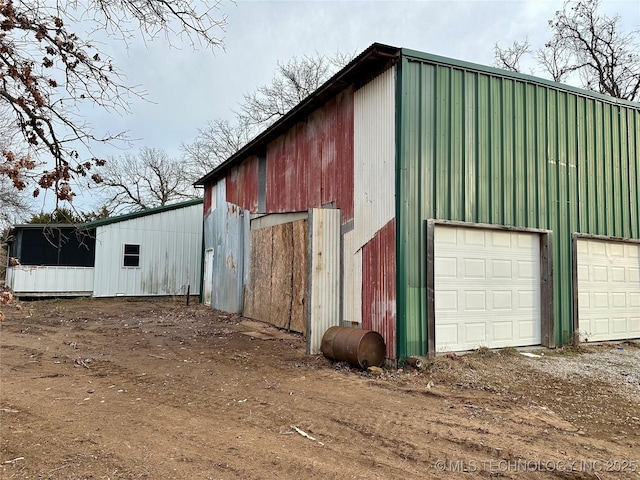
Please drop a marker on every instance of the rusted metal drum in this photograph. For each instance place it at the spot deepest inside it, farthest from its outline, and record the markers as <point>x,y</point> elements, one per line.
<point>365,348</point>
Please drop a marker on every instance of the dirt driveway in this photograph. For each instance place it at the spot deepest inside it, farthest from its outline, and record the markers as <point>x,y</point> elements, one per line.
<point>153,389</point>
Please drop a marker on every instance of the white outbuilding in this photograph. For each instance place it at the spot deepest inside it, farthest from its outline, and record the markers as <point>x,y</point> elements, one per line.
<point>152,252</point>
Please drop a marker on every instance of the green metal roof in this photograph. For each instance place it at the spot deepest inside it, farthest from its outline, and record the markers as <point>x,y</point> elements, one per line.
<point>445,61</point>
<point>141,213</point>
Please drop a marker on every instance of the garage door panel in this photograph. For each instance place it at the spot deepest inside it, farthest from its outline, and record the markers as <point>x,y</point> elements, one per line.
<point>600,300</point>
<point>501,239</point>
<point>584,299</point>
<point>527,269</point>
<point>448,334</point>
<point>617,250</point>
<point>474,268</point>
<point>527,241</point>
<point>446,300</point>
<point>446,267</point>
<point>501,269</point>
<point>634,326</point>
<point>527,330</point>
<point>502,300</point>
<point>619,300</point>
<point>600,326</point>
<point>475,333</point>
<point>503,330</point>
<point>496,285</point>
<point>619,325</point>
<point>472,238</point>
<point>583,273</point>
<point>527,299</point>
<point>475,301</point>
<point>599,274</point>
<point>608,289</point>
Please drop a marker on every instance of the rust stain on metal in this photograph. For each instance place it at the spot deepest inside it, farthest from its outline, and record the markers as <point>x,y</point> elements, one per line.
<point>242,184</point>
<point>312,164</point>
<point>379,287</point>
<point>364,348</point>
<point>231,262</point>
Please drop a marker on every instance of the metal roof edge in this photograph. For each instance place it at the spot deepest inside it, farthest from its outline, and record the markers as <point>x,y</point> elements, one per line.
<point>431,58</point>
<point>338,82</point>
<point>141,213</point>
<point>52,225</point>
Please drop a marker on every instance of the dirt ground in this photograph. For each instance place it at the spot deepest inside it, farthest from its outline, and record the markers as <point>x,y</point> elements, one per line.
<point>155,389</point>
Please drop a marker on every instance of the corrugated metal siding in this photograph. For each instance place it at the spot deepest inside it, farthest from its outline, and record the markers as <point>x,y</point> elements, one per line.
<point>312,164</point>
<point>242,185</point>
<point>374,156</point>
<point>46,280</point>
<point>324,275</point>
<point>379,286</point>
<point>477,147</point>
<point>343,131</point>
<point>209,196</point>
<point>351,281</point>
<point>224,232</point>
<point>170,254</point>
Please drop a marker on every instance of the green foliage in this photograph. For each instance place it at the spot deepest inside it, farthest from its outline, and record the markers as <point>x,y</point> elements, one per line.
<point>69,216</point>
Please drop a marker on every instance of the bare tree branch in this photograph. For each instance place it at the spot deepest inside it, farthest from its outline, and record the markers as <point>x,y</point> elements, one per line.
<point>149,179</point>
<point>509,58</point>
<point>47,71</point>
<point>293,82</point>
<point>588,45</point>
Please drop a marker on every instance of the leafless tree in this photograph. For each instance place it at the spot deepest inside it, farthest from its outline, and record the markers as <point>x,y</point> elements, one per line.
<point>149,179</point>
<point>14,206</point>
<point>47,72</point>
<point>216,141</point>
<point>509,58</point>
<point>292,82</point>
<point>592,46</point>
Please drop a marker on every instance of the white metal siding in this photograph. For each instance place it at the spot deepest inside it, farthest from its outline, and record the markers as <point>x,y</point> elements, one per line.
<point>374,156</point>
<point>487,288</point>
<point>46,280</point>
<point>170,254</point>
<point>324,276</point>
<point>352,280</point>
<point>207,285</point>
<point>214,197</point>
<point>608,290</point>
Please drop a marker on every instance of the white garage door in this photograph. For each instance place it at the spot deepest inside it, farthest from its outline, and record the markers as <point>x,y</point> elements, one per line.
<point>487,288</point>
<point>608,290</point>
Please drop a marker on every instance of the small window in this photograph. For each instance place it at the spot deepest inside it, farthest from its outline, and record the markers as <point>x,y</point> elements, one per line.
<point>131,255</point>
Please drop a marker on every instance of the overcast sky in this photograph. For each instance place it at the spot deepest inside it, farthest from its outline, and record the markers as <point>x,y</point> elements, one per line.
<point>186,88</point>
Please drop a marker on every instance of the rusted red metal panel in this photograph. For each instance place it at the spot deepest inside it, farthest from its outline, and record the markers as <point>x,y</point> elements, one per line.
<point>276,163</point>
<point>312,158</point>
<point>328,138</point>
<point>312,164</point>
<point>344,180</point>
<point>242,184</point>
<point>379,287</point>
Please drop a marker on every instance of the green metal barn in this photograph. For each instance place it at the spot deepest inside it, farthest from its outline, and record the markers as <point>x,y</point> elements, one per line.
<point>501,150</point>
<point>467,206</point>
